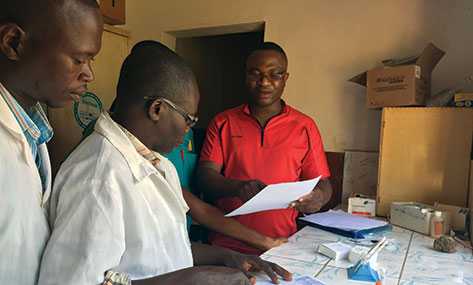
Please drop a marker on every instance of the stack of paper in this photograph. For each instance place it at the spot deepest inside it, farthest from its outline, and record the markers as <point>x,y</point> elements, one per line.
<point>335,250</point>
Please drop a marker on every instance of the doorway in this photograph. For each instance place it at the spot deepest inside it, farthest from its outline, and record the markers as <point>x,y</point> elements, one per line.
<point>218,62</point>
<point>217,56</point>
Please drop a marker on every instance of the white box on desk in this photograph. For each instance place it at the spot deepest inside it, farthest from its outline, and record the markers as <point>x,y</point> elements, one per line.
<point>362,206</point>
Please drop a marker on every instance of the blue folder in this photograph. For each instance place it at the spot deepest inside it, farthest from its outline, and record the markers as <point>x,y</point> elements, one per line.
<point>359,234</point>
<point>339,219</point>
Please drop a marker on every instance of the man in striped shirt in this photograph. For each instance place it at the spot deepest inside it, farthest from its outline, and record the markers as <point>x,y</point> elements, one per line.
<point>45,52</point>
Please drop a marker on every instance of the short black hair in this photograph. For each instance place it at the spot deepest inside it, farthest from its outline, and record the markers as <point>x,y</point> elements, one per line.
<point>269,46</point>
<point>153,70</point>
<point>21,11</point>
<point>40,17</point>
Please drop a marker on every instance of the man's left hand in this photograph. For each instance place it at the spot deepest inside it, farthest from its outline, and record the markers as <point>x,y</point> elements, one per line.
<point>251,263</point>
<point>309,203</point>
<point>315,200</point>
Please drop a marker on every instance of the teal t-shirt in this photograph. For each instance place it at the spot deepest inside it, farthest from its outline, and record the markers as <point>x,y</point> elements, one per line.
<point>184,159</point>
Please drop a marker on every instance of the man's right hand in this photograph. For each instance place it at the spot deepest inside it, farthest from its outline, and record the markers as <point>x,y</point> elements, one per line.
<point>197,275</point>
<point>217,275</point>
<point>273,242</point>
<point>248,189</point>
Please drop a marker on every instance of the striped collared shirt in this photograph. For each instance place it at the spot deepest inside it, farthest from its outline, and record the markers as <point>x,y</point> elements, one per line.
<point>34,124</point>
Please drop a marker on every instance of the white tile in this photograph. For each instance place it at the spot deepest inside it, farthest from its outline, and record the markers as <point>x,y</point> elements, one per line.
<point>338,276</point>
<point>424,269</point>
<point>299,268</point>
<point>298,251</point>
<point>390,281</point>
<point>314,234</point>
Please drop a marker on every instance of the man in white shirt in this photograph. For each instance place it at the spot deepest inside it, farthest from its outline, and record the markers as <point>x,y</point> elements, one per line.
<point>45,52</point>
<point>117,206</point>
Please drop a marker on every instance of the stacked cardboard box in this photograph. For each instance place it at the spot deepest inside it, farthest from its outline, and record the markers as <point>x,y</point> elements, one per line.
<point>424,152</point>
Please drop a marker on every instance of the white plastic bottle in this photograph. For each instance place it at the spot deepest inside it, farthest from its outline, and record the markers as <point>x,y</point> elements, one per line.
<point>436,225</point>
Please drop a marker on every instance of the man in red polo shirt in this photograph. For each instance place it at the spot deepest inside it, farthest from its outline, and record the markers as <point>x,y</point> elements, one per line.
<point>259,143</point>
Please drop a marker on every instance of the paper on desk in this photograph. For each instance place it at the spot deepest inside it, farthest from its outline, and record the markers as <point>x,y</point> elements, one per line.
<point>276,196</point>
<point>304,280</point>
<point>342,220</point>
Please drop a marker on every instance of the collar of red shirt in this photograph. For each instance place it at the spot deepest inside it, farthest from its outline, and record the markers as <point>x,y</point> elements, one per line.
<point>285,109</point>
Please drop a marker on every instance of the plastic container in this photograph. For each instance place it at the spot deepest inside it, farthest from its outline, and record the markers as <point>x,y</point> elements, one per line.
<point>437,225</point>
<point>447,222</point>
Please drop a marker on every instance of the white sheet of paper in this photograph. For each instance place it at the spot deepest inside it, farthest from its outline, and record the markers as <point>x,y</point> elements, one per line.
<point>303,280</point>
<point>275,196</point>
<point>342,220</point>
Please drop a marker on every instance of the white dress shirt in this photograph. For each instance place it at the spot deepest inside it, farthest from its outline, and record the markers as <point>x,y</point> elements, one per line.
<point>111,209</point>
<point>24,228</point>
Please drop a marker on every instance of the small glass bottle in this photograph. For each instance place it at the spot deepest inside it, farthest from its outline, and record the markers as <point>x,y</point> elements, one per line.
<point>436,225</point>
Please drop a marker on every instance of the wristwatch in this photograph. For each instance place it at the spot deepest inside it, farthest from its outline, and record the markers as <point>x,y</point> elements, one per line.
<point>116,278</point>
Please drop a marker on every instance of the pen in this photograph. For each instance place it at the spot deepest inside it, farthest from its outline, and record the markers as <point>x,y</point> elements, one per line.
<point>370,253</point>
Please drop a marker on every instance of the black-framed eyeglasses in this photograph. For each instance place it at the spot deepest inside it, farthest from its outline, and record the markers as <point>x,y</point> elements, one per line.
<point>190,119</point>
<point>255,75</point>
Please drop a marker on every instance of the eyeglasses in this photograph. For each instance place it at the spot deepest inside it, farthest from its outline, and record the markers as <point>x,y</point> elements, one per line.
<point>190,119</point>
<point>258,76</point>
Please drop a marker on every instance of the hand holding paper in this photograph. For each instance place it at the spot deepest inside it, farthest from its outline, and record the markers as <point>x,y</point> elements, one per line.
<point>309,203</point>
<point>276,196</point>
<point>248,189</point>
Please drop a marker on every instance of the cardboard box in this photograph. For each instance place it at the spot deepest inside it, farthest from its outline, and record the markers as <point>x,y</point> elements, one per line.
<point>360,174</point>
<point>362,206</point>
<point>424,156</point>
<point>113,11</point>
<point>404,82</point>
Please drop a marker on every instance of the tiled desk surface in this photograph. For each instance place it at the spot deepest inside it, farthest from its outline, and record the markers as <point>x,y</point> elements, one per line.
<point>408,259</point>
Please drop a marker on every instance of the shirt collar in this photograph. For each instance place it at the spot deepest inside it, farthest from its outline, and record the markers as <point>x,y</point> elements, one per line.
<point>114,133</point>
<point>285,108</point>
<point>33,123</point>
<point>141,148</point>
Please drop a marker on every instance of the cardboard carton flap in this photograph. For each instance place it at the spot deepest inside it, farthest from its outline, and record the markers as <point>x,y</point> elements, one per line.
<point>402,61</point>
<point>360,79</point>
<point>429,58</point>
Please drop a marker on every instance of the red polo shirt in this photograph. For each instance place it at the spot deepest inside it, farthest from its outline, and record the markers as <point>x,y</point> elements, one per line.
<point>288,149</point>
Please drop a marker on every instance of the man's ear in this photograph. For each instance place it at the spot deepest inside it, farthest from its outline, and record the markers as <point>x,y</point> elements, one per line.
<point>12,41</point>
<point>155,110</point>
<point>286,76</point>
